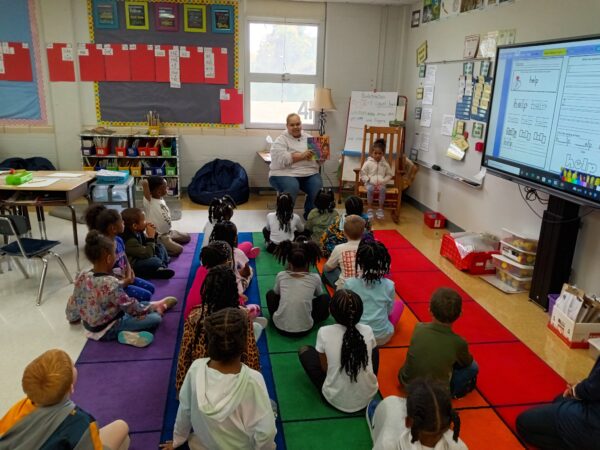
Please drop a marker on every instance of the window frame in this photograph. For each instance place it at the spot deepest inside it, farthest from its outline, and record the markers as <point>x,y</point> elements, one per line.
<point>250,77</point>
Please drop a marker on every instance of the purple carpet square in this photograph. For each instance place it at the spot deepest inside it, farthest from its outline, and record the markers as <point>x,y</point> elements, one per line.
<point>134,391</point>
<point>174,286</point>
<point>162,347</point>
<point>144,441</point>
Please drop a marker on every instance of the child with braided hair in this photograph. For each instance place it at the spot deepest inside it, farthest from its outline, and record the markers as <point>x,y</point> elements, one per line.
<point>219,291</point>
<point>222,400</point>
<point>425,419</point>
<point>297,301</point>
<point>381,311</point>
<point>283,224</point>
<point>343,365</point>
<point>221,210</point>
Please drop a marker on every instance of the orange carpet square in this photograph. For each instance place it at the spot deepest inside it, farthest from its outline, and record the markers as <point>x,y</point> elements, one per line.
<point>482,429</point>
<point>404,329</point>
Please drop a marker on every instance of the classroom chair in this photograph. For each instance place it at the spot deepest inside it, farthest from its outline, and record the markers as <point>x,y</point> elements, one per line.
<point>14,226</point>
<point>394,154</point>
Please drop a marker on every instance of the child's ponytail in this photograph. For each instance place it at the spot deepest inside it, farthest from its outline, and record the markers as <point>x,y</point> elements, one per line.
<point>373,259</point>
<point>299,254</point>
<point>347,308</point>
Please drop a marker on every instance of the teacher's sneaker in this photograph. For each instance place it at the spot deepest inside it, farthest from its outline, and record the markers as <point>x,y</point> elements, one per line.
<point>370,214</point>
<point>135,338</point>
<point>370,412</point>
<point>379,214</point>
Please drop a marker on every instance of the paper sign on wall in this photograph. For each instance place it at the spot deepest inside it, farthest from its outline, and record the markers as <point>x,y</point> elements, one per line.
<point>91,62</point>
<point>232,106</point>
<point>16,62</point>
<point>61,65</point>
<point>141,58</point>
<point>116,62</point>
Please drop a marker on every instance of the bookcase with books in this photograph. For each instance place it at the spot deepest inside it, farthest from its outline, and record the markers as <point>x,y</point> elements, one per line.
<point>141,155</point>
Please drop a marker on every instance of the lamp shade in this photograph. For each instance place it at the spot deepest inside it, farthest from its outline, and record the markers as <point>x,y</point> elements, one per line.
<point>323,101</point>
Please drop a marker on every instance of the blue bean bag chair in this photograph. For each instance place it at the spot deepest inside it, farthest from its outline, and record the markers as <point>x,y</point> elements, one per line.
<point>218,178</point>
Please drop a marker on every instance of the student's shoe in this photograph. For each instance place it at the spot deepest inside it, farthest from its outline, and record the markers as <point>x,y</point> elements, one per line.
<point>164,273</point>
<point>135,338</point>
<point>379,214</point>
<point>370,412</point>
<point>254,252</point>
<point>169,302</point>
<point>370,214</point>
<point>262,321</point>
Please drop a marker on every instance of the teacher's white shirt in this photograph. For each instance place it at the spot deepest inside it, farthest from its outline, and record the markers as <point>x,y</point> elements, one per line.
<point>281,157</point>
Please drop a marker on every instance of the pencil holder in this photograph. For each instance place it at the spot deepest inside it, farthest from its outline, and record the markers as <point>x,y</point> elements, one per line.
<point>171,171</point>
<point>121,151</point>
<point>132,151</point>
<point>152,151</point>
<point>136,171</point>
<point>154,130</point>
<point>102,151</point>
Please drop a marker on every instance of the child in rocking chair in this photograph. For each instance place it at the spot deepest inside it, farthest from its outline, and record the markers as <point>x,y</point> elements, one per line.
<point>375,174</point>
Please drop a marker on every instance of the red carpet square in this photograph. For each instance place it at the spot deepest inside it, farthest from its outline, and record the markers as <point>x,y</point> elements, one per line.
<point>475,324</point>
<point>410,259</point>
<point>418,286</point>
<point>404,329</point>
<point>392,239</point>
<point>511,374</point>
<point>509,414</point>
<point>482,429</point>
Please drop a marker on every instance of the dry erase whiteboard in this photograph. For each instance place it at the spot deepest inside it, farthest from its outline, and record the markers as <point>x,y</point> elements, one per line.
<point>366,108</point>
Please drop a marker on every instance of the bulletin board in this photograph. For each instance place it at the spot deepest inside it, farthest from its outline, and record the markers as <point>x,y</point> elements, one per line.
<point>430,143</point>
<point>125,103</point>
<point>22,94</point>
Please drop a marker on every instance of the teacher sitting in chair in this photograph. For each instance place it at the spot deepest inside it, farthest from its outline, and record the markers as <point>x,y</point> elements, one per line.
<point>293,167</point>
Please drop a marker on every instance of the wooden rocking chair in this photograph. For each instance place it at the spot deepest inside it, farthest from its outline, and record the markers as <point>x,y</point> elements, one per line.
<point>394,154</point>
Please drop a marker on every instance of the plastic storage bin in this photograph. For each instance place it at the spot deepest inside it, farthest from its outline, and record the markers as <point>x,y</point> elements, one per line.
<point>121,151</point>
<point>118,193</point>
<point>520,241</point>
<point>516,254</point>
<point>434,219</point>
<point>476,263</point>
<point>517,283</point>
<point>514,268</point>
<point>102,151</point>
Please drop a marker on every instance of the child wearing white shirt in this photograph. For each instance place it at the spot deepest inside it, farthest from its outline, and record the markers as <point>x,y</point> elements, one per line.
<point>158,214</point>
<point>342,262</point>
<point>283,224</point>
<point>343,365</point>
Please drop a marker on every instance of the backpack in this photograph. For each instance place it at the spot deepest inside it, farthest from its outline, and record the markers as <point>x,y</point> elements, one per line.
<point>218,178</point>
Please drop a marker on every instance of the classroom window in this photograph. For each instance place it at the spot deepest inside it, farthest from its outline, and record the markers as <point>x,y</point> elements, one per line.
<point>284,67</point>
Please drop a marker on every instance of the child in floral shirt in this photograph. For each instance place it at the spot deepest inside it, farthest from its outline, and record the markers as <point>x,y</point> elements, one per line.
<point>107,312</point>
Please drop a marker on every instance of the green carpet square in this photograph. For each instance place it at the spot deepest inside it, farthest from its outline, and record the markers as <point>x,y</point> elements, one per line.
<point>279,343</point>
<point>266,264</point>
<point>265,284</point>
<point>332,434</point>
<point>297,397</point>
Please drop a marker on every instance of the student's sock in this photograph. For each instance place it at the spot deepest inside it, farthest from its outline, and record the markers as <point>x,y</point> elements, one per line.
<point>136,338</point>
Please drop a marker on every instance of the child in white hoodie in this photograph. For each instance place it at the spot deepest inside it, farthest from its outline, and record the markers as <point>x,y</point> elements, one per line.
<point>223,401</point>
<point>375,174</point>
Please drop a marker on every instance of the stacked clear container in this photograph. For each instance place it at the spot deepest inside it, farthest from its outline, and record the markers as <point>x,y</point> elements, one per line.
<point>514,266</point>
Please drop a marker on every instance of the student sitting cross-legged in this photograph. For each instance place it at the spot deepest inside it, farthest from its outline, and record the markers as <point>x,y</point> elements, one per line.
<point>297,301</point>
<point>343,365</point>
<point>381,311</point>
<point>47,419</point>
<point>222,400</point>
<point>341,265</point>
<point>439,353</point>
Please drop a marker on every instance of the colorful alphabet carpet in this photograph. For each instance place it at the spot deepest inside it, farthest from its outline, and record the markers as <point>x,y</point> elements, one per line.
<point>137,385</point>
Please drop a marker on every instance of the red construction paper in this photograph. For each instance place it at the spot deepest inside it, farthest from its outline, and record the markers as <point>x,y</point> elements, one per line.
<point>141,57</point>
<point>116,62</point>
<point>191,64</point>
<point>17,62</point>
<point>161,61</point>
<point>217,58</point>
<point>61,64</point>
<point>91,62</point>
<point>232,106</point>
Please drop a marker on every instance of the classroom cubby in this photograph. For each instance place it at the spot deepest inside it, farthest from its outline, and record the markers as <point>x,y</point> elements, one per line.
<point>139,154</point>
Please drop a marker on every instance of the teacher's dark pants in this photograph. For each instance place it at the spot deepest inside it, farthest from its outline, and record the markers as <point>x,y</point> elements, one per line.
<point>309,185</point>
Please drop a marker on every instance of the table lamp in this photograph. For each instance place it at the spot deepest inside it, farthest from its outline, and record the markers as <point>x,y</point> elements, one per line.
<point>322,104</point>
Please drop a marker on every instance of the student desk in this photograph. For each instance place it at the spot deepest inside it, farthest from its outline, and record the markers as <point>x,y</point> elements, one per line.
<point>266,156</point>
<point>63,192</point>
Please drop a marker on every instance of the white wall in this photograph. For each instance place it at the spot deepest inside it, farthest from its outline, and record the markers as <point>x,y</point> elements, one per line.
<point>499,203</point>
<point>361,54</point>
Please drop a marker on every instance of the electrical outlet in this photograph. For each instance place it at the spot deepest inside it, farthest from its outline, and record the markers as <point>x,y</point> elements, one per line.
<point>439,196</point>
